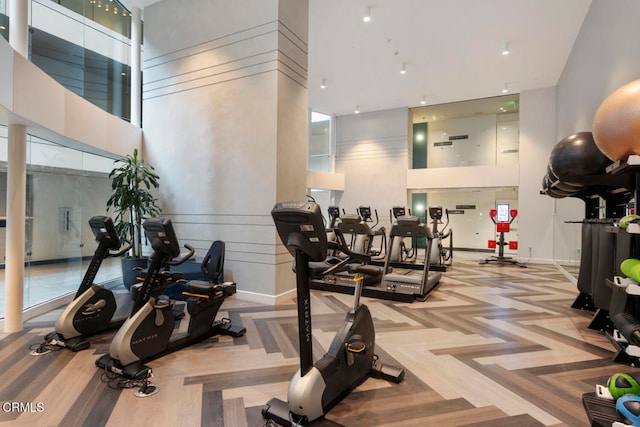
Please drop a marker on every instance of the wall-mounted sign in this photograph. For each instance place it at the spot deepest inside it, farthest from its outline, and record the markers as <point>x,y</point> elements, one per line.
<point>456,211</point>
<point>465,206</point>
<point>454,137</point>
<point>442,143</point>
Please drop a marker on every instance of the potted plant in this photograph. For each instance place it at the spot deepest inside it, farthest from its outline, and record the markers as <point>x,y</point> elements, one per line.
<point>132,200</point>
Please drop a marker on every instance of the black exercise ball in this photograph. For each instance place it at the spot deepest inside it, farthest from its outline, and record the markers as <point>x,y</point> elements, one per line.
<point>555,182</point>
<point>577,156</point>
<point>557,193</point>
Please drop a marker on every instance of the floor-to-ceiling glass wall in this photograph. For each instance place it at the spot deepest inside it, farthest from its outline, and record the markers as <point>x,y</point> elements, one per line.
<point>84,45</point>
<point>482,132</point>
<point>467,212</point>
<point>65,187</point>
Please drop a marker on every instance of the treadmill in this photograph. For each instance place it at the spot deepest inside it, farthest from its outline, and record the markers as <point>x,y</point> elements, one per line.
<point>405,285</point>
<point>410,281</point>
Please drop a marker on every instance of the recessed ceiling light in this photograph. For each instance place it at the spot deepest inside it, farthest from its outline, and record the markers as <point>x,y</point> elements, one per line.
<point>505,49</point>
<point>367,15</point>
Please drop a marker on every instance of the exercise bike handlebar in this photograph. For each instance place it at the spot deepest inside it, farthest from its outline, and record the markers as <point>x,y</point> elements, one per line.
<point>184,258</point>
<point>126,248</point>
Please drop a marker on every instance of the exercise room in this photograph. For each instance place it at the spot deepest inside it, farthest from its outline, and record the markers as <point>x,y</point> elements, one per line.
<point>319,213</point>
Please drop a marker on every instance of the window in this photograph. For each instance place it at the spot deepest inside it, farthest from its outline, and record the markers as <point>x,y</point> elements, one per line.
<point>320,143</point>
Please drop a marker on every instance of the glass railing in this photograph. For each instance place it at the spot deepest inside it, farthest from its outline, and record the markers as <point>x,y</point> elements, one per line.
<point>100,80</point>
<point>4,24</point>
<point>108,13</point>
<point>482,132</point>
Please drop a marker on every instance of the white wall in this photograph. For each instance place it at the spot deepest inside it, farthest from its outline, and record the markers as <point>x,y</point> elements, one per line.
<point>605,56</point>
<point>537,138</point>
<point>372,153</point>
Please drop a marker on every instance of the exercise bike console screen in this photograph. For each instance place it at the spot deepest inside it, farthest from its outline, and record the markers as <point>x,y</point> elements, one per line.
<point>503,213</point>
<point>162,236</point>
<point>300,227</point>
<point>104,231</point>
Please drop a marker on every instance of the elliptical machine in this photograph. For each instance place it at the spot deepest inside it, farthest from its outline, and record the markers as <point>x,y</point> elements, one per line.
<point>351,358</point>
<point>441,257</point>
<point>365,214</point>
<point>94,308</point>
<point>149,332</point>
<point>398,250</point>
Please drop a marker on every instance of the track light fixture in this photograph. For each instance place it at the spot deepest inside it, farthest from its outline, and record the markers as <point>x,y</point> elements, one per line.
<point>505,88</point>
<point>505,49</point>
<point>323,84</point>
<point>403,68</point>
<point>367,15</point>
<point>424,100</point>
<point>357,110</point>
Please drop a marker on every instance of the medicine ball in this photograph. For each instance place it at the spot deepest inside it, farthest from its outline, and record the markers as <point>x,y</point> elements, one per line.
<point>616,124</point>
<point>629,408</point>
<point>620,384</point>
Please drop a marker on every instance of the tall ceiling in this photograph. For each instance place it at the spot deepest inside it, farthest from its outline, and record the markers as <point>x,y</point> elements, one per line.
<point>451,49</point>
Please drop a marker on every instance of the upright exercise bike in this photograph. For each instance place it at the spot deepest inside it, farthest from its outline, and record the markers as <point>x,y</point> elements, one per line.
<point>94,308</point>
<point>351,358</point>
<point>149,332</point>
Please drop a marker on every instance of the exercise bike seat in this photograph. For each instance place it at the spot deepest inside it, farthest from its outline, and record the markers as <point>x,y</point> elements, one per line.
<point>201,287</point>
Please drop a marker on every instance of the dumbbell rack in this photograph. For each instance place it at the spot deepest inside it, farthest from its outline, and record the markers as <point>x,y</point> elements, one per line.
<point>600,409</point>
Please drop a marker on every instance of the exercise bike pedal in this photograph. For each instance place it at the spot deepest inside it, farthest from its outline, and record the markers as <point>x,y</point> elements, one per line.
<point>386,372</point>
<point>78,346</point>
<point>278,411</point>
<point>224,327</point>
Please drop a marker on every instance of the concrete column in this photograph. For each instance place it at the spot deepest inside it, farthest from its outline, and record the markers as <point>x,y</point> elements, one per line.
<point>225,125</point>
<point>136,54</point>
<point>15,238</point>
<point>16,185</point>
<point>19,29</point>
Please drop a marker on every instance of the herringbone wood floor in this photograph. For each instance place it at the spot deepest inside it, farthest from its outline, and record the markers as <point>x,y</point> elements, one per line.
<point>492,346</point>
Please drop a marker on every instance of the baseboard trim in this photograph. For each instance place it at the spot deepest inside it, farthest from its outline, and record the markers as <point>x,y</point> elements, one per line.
<point>282,298</point>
